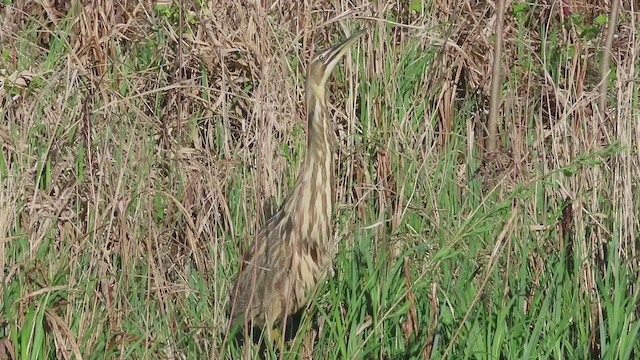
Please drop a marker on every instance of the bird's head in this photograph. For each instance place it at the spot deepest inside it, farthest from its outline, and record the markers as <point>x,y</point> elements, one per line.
<point>323,63</point>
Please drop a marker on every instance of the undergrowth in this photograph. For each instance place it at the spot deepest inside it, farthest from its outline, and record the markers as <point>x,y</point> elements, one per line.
<point>140,153</point>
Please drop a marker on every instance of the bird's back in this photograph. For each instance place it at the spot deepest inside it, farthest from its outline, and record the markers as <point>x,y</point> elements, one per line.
<point>279,272</point>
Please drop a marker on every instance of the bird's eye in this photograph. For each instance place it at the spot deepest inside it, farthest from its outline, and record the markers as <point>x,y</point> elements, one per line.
<point>321,57</point>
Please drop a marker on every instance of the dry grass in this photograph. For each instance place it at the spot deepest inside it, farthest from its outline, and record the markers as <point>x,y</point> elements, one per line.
<point>140,149</point>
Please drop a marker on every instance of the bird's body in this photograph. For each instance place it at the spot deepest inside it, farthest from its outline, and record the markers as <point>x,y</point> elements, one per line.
<point>294,250</point>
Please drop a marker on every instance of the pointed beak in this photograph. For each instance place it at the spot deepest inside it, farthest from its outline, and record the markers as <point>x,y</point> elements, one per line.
<point>334,54</point>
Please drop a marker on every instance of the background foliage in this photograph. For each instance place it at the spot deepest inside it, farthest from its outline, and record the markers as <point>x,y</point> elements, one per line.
<point>142,144</point>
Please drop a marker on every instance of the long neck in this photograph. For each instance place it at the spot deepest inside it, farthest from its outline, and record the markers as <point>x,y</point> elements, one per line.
<point>310,204</point>
<point>321,142</point>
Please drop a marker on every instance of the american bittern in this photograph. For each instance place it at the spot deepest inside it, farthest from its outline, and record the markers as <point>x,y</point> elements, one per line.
<point>293,252</point>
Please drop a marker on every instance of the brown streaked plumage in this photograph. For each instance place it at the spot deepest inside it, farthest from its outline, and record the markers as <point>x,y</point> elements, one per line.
<point>293,251</point>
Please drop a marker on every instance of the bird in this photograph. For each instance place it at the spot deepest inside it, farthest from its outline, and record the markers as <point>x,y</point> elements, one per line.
<point>293,252</point>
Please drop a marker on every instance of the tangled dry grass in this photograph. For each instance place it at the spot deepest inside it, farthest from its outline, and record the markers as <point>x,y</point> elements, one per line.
<point>112,108</point>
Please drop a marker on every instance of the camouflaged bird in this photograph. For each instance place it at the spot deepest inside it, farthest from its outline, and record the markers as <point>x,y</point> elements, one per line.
<point>294,251</point>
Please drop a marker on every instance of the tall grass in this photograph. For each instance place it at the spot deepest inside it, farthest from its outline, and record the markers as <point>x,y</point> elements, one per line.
<point>136,168</point>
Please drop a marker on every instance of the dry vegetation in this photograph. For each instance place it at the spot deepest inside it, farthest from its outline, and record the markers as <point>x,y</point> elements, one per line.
<point>141,146</point>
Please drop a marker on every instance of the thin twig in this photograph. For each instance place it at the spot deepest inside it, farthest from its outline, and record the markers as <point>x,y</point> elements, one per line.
<point>606,57</point>
<point>496,81</point>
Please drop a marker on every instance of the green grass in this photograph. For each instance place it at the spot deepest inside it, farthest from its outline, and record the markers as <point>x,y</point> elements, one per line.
<point>123,225</point>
